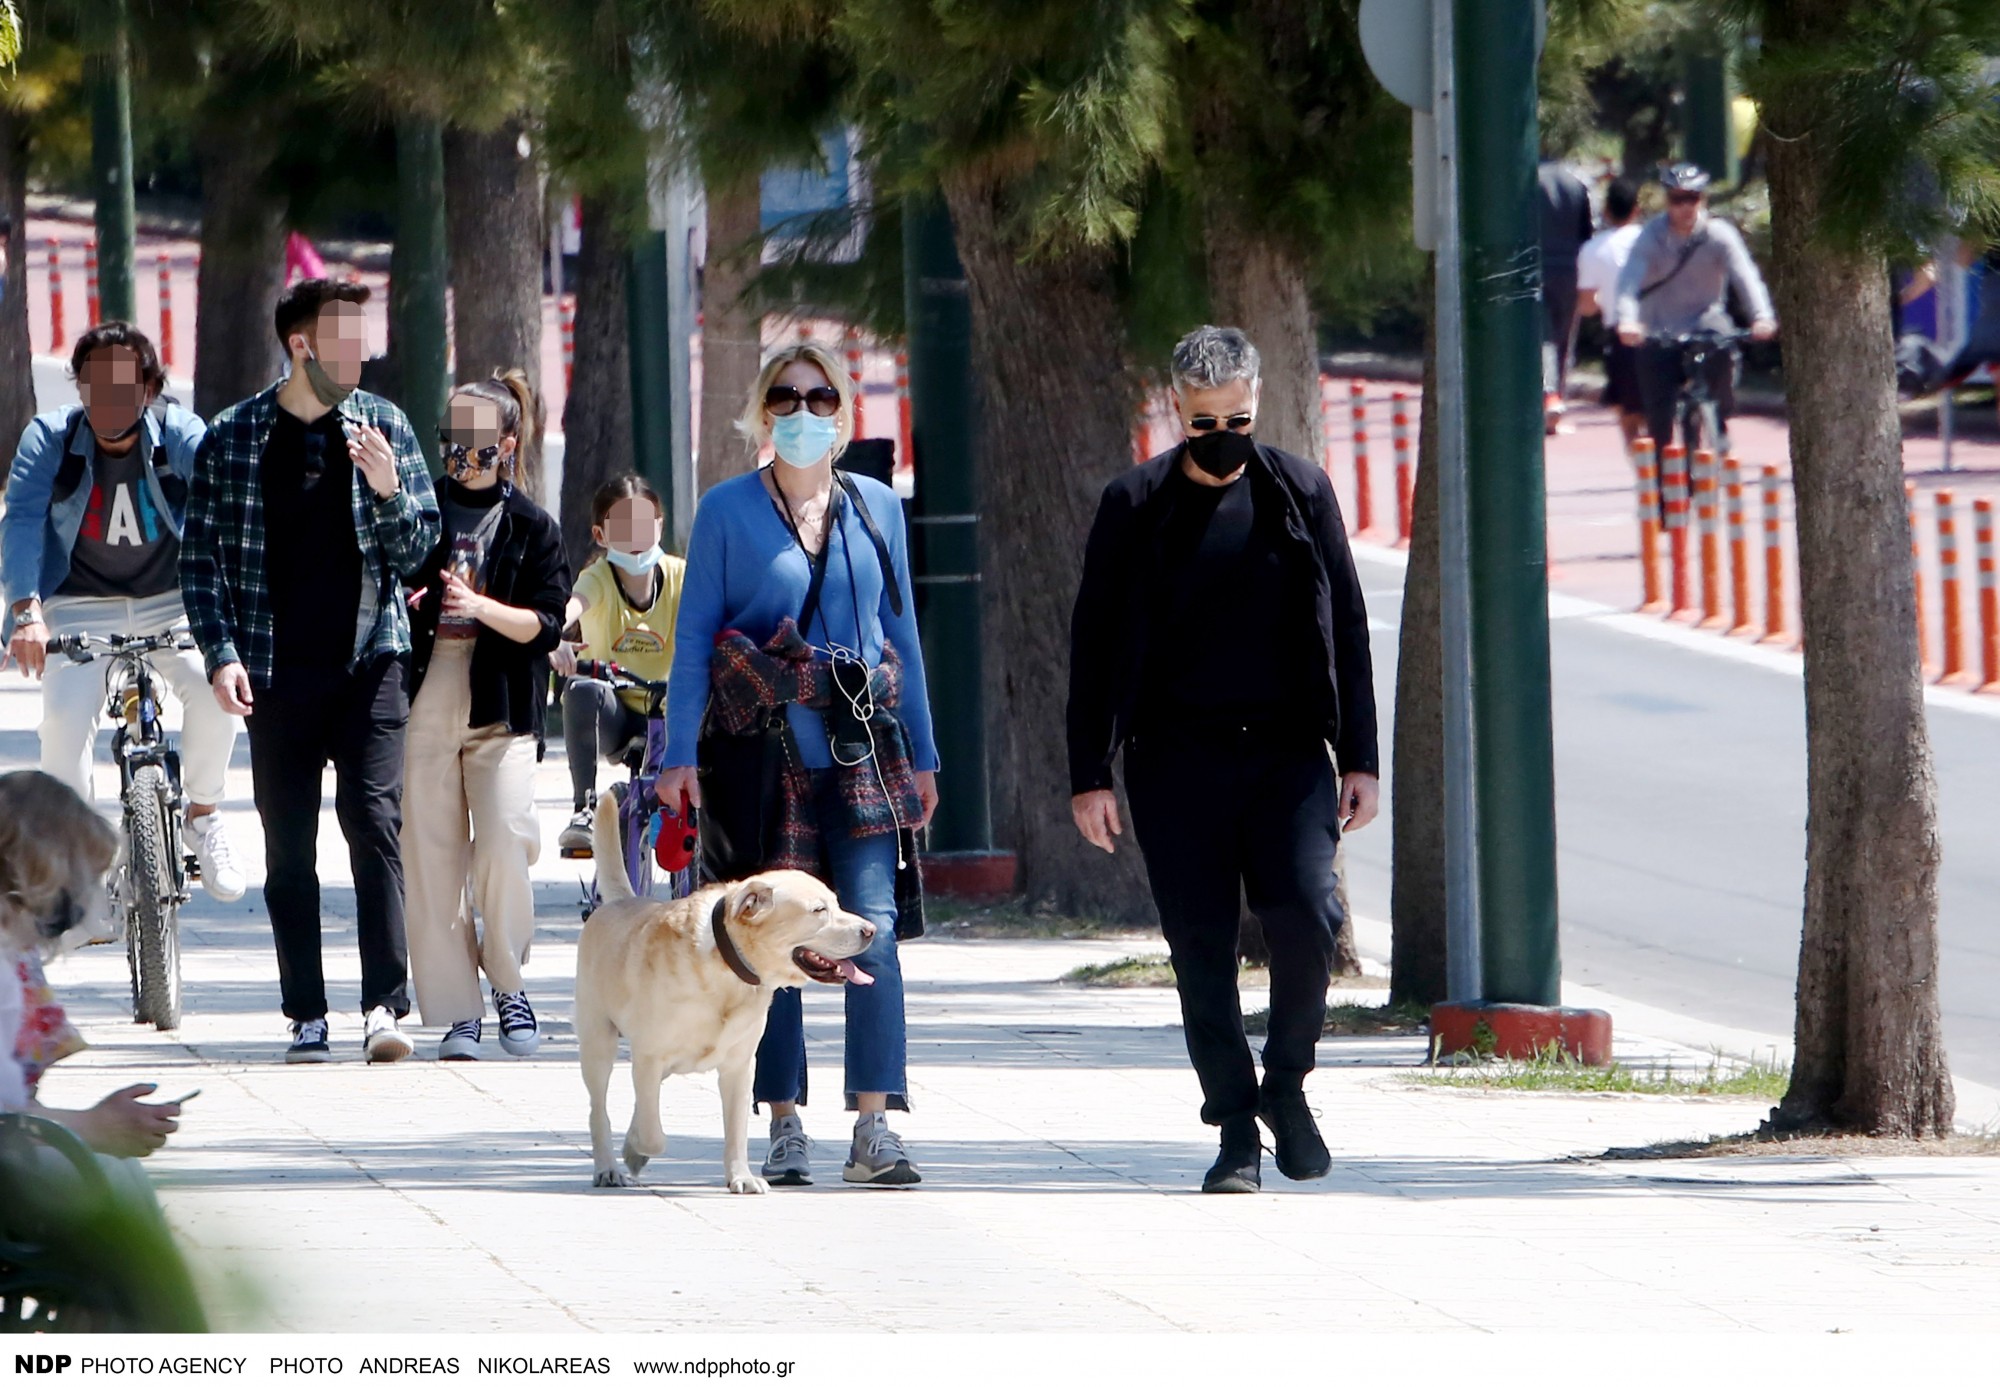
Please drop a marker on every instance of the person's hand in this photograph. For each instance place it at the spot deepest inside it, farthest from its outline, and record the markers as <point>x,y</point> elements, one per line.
<point>1763,330</point>
<point>1360,797</point>
<point>461,601</point>
<point>375,460</point>
<point>1631,334</point>
<point>1096,815</point>
<point>120,1125</point>
<point>676,781</point>
<point>927,796</point>
<point>231,683</point>
<point>29,646</point>
<point>563,658</point>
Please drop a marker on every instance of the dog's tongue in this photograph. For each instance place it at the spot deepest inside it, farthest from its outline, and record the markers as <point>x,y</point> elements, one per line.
<point>849,973</point>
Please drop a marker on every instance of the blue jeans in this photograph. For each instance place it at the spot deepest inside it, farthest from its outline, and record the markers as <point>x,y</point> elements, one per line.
<point>862,872</point>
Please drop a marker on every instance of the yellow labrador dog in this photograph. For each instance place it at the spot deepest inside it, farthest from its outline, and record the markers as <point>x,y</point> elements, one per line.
<point>688,983</point>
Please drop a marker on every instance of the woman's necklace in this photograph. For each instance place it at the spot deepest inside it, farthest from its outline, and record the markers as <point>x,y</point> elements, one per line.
<point>804,517</point>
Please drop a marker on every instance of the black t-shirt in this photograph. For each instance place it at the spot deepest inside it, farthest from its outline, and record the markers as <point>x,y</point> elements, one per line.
<point>1224,636</point>
<point>126,547</point>
<point>312,554</point>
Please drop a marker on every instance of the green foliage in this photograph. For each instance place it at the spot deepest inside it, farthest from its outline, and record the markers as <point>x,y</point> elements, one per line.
<point>1555,1071</point>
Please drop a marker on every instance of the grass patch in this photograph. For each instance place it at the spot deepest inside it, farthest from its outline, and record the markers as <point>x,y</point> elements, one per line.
<point>1017,919</point>
<point>1357,1018</point>
<point>1554,1071</point>
<point>1140,970</point>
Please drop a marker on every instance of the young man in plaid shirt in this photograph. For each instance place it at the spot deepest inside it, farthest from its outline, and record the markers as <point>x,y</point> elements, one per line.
<point>310,505</point>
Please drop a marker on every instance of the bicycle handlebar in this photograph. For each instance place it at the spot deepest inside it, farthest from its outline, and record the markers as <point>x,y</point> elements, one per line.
<point>1704,337</point>
<point>83,646</point>
<point>617,676</point>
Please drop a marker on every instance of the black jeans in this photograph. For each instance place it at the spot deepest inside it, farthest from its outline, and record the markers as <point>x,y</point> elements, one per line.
<point>596,724</point>
<point>1218,812</point>
<point>356,720</point>
<point>1660,371</point>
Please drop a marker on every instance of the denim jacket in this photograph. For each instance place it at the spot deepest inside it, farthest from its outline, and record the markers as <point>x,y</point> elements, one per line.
<point>39,529</point>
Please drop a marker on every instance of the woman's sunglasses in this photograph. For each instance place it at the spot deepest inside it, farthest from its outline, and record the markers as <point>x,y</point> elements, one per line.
<point>822,400</point>
<point>1208,423</point>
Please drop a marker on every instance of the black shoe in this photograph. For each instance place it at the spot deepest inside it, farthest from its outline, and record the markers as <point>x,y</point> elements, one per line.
<point>1238,1169</point>
<point>1295,1136</point>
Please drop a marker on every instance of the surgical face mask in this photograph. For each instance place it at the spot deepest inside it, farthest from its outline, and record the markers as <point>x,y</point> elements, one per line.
<point>636,564</point>
<point>325,388</point>
<point>1221,451</point>
<point>804,438</point>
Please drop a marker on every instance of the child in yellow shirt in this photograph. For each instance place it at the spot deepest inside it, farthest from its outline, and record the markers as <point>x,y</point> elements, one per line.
<point>626,603</point>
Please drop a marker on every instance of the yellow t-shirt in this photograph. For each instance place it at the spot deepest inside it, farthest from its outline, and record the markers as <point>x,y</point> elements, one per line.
<point>640,639</point>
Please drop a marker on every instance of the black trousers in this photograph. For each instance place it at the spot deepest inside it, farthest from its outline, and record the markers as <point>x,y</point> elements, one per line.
<point>1217,812</point>
<point>1660,371</point>
<point>596,724</point>
<point>356,720</point>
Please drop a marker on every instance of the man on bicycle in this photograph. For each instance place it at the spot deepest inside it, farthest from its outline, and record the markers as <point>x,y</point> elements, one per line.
<point>1677,282</point>
<point>91,541</point>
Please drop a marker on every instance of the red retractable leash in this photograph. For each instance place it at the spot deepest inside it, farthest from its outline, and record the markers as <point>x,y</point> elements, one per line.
<point>674,846</point>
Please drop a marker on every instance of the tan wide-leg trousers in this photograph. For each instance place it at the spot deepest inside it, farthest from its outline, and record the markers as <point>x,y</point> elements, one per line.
<point>468,807</point>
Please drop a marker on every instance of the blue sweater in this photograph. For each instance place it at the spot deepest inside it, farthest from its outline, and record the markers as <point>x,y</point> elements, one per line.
<point>746,573</point>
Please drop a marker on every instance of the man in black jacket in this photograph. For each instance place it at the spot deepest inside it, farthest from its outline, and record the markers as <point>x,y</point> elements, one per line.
<point>1220,639</point>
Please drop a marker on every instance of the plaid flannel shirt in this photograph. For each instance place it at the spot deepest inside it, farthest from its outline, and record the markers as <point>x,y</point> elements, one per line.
<point>223,582</point>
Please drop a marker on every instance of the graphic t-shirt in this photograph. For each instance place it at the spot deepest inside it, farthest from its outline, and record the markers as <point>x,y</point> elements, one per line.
<point>640,639</point>
<point>126,547</point>
<point>471,519</point>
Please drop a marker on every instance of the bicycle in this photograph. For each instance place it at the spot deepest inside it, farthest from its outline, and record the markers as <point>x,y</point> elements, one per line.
<point>150,883</point>
<point>1697,413</point>
<point>652,837</point>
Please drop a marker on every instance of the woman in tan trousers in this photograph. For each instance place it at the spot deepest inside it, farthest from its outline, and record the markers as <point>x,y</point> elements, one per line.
<point>490,612</point>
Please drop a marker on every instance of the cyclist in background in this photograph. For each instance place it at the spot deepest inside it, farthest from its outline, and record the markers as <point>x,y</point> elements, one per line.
<point>1676,282</point>
<point>91,541</point>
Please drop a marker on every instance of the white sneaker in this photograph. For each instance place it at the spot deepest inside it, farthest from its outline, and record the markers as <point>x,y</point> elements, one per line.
<point>382,1038</point>
<point>220,876</point>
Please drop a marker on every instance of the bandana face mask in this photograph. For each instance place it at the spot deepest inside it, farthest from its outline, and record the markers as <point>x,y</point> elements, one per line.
<point>462,462</point>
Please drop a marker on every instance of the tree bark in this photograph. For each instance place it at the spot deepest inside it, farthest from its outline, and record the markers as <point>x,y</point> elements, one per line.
<point>17,372</point>
<point>242,270</point>
<point>1416,802</point>
<point>1256,285</point>
<point>597,418</point>
<point>732,347</point>
<point>1056,411</point>
<point>1870,1053</point>
<point>493,214</point>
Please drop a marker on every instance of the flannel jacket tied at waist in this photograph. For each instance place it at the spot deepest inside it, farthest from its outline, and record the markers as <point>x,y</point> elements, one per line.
<point>749,685</point>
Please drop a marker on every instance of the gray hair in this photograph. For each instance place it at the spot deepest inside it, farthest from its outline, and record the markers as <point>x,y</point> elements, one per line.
<point>1211,356</point>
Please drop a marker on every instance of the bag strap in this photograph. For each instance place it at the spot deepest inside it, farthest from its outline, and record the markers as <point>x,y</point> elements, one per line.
<point>818,564</point>
<point>1694,244</point>
<point>889,575</point>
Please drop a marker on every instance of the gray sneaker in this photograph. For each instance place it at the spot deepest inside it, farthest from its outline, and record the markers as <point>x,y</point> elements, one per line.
<point>789,1161</point>
<point>877,1156</point>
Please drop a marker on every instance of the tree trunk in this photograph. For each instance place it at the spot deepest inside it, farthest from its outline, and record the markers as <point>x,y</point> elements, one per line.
<point>1255,285</point>
<point>17,372</point>
<point>1416,801</point>
<point>493,211</point>
<point>732,347</point>
<point>242,270</point>
<point>1056,410</point>
<point>1870,1050</point>
<point>597,418</point>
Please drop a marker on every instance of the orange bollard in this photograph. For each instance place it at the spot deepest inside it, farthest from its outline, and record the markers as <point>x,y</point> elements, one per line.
<point>1917,580</point>
<point>91,304</point>
<point>1954,631</point>
<point>566,310</point>
<point>1774,563</point>
<point>1739,549</point>
<point>1649,526</point>
<point>1326,433</point>
<point>1989,596</point>
<point>852,351</point>
<point>905,447</point>
<point>1364,487</point>
<point>1675,479</point>
<point>166,277</point>
<point>1710,539</point>
<point>1399,443</point>
<point>56,335</point>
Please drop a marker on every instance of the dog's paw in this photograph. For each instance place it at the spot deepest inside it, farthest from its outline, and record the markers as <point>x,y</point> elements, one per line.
<point>612,1179</point>
<point>635,1159</point>
<point>743,1182</point>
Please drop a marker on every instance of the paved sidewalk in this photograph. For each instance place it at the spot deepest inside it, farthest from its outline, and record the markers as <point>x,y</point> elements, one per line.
<point>1056,1127</point>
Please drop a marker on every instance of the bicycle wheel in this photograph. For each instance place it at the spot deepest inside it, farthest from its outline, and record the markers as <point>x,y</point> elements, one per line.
<point>156,928</point>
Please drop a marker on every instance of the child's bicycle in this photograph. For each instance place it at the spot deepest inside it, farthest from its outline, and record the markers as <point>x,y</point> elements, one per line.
<point>660,847</point>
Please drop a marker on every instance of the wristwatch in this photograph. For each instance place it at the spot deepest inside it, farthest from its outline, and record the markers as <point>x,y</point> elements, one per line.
<point>24,607</point>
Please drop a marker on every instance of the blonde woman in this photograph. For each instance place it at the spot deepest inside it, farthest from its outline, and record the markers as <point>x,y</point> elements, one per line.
<point>758,541</point>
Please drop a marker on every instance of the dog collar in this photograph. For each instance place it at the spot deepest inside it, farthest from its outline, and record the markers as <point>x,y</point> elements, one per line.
<point>726,946</point>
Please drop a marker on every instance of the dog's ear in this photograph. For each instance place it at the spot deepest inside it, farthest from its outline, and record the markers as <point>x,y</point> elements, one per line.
<point>753,898</point>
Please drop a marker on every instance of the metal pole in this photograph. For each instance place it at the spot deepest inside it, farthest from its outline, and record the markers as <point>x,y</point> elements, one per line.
<point>679,220</point>
<point>1462,907</point>
<point>111,165</point>
<point>1494,42</point>
<point>417,274</point>
<point>946,518</point>
<point>647,310</point>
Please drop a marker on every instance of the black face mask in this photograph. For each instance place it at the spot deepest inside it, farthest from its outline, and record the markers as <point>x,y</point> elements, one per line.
<point>1219,452</point>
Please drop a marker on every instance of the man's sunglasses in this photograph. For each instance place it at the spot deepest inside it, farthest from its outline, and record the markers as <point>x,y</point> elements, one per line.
<point>459,455</point>
<point>1208,423</point>
<point>822,400</point>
